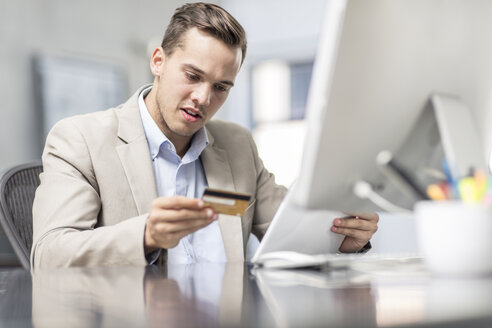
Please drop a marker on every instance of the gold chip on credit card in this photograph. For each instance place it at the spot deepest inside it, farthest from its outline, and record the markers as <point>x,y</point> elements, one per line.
<point>226,202</point>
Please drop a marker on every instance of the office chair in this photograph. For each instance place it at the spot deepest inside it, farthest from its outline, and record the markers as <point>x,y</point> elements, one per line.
<point>17,187</point>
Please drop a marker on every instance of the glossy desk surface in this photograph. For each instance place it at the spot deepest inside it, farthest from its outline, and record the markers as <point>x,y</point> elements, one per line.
<point>377,294</point>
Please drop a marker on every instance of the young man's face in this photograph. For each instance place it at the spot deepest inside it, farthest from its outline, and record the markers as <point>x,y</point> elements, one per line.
<point>191,84</point>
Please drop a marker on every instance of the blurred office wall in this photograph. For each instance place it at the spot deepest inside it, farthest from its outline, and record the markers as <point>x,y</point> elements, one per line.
<point>271,89</point>
<point>278,30</point>
<point>120,32</point>
<point>123,32</point>
<point>282,32</point>
<point>116,31</point>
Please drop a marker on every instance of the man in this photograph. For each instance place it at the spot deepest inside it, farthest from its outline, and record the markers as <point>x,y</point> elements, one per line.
<point>122,186</point>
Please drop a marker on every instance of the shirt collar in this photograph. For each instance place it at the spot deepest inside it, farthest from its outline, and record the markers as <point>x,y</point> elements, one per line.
<point>156,139</point>
<point>198,144</point>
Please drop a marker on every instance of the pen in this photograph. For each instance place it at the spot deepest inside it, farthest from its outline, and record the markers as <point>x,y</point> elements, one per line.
<point>436,192</point>
<point>468,190</point>
<point>449,177</point>
<point>481,182</point>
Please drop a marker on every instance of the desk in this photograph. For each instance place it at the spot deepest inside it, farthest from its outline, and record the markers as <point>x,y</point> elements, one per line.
<point>211,295</point>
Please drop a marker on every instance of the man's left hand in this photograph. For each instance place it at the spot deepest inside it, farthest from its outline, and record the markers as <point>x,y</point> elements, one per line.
<point>358,230</point>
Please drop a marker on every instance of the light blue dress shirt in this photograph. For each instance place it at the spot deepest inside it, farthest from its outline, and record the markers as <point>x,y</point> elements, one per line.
<point>185,177</point>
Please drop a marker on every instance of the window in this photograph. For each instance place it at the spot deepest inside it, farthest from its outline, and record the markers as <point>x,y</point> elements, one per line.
<point>280,91</point>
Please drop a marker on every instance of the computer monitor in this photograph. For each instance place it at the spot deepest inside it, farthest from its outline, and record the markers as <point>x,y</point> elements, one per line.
<point>378,65</point>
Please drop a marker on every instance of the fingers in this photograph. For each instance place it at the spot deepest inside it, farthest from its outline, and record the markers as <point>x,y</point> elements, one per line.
<point>365,216</point>
<point>168,236</point>
<point>172,218</point>
<point>361,229</point>
<point>357,223</point>
<point>178,202</point>
<point>354,233</point>
<point>173,215</point>
<point>179,208</point>
<point>176,226</point>
<point>358,230</point>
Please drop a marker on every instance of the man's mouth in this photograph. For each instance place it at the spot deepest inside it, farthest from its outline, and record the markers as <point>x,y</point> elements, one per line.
<point>191,115</point>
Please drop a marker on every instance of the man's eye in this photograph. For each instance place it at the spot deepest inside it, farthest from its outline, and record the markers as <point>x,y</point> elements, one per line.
<point>192,77</point>
<point>220,87</point>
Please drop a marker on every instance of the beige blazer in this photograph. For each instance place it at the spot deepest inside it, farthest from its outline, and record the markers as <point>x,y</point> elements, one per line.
<point>98,183</point>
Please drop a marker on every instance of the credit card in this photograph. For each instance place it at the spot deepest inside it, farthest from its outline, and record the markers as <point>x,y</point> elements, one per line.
<point>226,202</point>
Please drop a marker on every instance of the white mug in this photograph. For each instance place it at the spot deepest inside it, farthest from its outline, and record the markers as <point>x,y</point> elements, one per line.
<point>455,238</point>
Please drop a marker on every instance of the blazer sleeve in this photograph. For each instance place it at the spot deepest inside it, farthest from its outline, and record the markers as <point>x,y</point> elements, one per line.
<point>67,230</point>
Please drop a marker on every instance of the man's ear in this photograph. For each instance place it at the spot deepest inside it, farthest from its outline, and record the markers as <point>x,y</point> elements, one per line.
<point>156,61</point>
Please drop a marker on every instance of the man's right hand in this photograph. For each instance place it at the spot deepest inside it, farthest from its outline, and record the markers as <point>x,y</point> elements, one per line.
<point>172,218</point>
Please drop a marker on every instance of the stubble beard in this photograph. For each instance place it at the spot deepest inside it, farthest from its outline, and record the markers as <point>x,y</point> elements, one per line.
<point>167,129</point>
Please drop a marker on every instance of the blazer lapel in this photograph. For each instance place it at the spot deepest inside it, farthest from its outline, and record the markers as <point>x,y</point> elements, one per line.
<point>135,156</point>
<point>219,175</point>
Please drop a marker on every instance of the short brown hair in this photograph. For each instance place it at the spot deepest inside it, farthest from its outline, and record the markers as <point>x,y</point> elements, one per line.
<point>207,17</point>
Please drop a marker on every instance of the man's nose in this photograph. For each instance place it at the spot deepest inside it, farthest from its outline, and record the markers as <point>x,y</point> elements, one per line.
<point>202,94</point>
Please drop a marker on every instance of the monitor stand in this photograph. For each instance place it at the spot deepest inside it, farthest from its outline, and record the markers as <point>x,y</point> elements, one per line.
<point>444,130</point>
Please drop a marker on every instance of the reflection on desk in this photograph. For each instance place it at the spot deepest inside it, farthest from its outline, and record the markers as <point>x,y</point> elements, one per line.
<point>230,295</point>
<point>201,295</point>
<point>336,298</point>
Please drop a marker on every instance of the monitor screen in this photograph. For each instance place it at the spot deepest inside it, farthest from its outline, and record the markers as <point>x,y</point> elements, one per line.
<point>378,65</point>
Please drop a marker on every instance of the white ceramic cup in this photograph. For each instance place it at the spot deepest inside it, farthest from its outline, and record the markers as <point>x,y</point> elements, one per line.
<point>455,238</point>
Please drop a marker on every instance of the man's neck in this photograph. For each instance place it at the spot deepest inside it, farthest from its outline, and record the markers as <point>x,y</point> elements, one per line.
<point>181,148</point>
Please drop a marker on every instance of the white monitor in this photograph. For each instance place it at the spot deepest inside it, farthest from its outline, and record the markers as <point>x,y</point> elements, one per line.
<point>378,65</point>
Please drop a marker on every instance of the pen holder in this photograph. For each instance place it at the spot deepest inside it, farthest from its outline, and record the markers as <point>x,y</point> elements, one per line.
<point>455,238</point>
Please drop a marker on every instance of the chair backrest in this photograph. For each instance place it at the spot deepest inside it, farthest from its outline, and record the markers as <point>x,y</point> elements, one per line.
<point>17,188</point>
